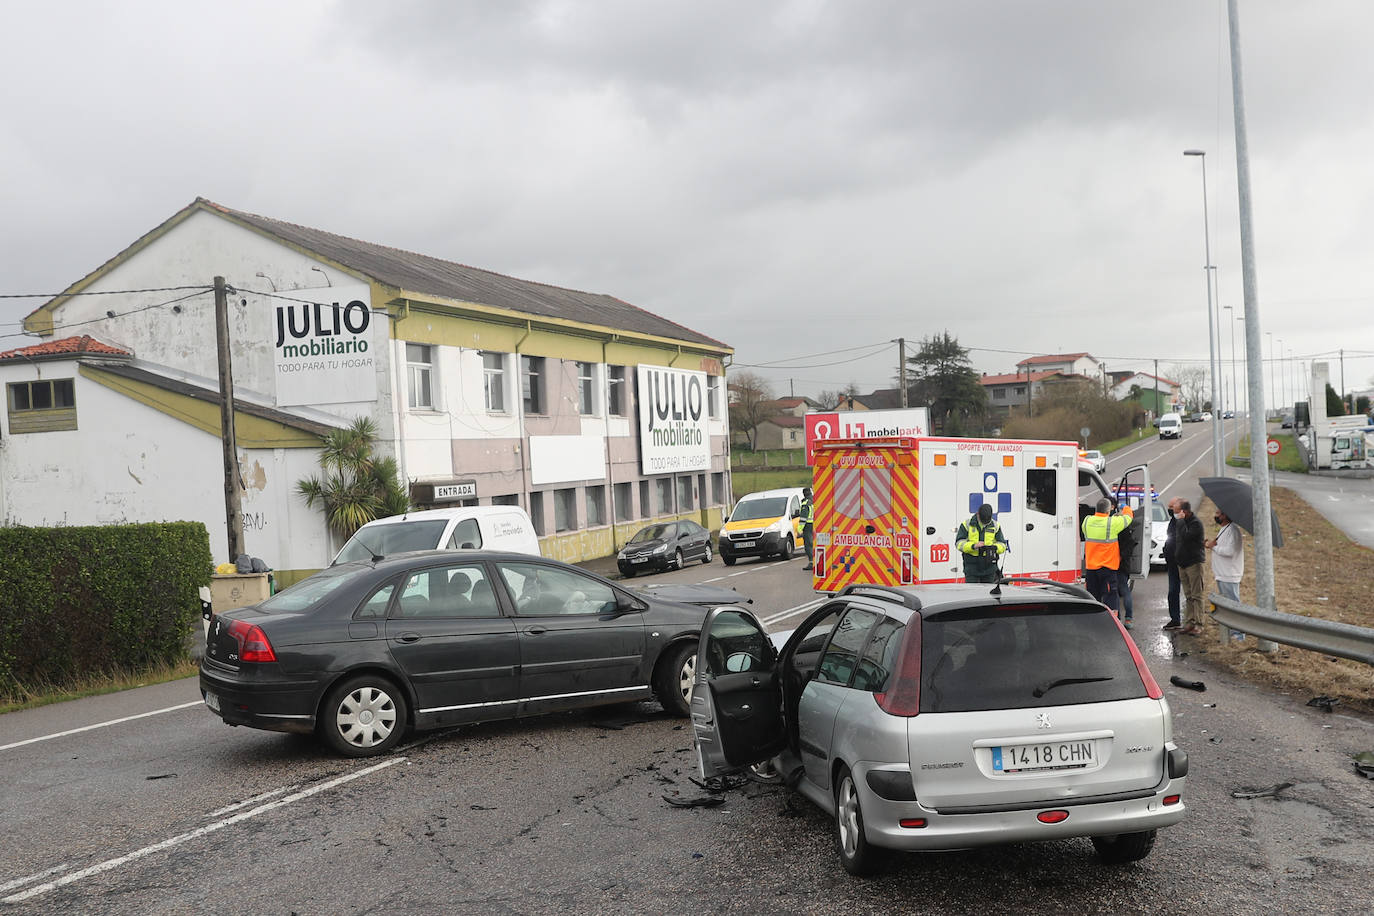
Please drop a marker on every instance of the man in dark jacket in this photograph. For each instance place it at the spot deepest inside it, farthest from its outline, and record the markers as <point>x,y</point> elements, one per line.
<point>981,541</point>
<point>1171,566</point>
<point>1190,553</point>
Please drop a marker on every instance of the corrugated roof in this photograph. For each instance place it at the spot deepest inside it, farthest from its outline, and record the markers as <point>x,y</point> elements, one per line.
<point>67,347</point>
<point>423,274</point>
<point>1052,358</point>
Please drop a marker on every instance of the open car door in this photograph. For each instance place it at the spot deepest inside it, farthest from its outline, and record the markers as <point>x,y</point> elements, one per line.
<point>737,702</point>
<point>1134,489</point>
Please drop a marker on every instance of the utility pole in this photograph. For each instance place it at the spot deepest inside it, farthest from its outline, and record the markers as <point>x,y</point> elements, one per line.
<point>901,367</point>
<point>1347,407</point>
<point>1158,413</point>
<point>233,511</point>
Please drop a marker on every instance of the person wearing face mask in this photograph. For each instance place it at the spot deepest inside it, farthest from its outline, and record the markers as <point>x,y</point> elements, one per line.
<point>1228,559</point>
<point>1171,566</point>
<point>981,541</point>
<point>1190,552</point>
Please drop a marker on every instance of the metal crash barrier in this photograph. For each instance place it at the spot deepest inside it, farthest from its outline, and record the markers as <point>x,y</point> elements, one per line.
<point>1328,637</point>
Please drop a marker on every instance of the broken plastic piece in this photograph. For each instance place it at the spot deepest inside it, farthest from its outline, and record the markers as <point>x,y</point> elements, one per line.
<point>1324,702</point>
<point>1364,764</point>
<point>701,801</point>
<point>1190,685</point>
<point>1269,792</point>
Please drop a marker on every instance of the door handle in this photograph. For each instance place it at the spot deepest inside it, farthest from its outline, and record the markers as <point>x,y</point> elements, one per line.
<point>409,637</point>
<point>536,631</point>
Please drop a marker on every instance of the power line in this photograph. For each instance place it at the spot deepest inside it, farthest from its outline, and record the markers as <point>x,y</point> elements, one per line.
<point>102,292</point>
<point>200,291</point>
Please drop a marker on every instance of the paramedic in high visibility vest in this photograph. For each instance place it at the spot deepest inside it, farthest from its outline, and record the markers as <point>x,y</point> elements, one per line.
<point>981,541</point>
<point>1101,552</point>
<point>808,521</point>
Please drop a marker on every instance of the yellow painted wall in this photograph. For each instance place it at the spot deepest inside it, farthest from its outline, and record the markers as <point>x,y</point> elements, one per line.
<point>576,546</point>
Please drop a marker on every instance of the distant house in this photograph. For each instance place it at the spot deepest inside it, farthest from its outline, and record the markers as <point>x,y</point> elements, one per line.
<point>1014,389</point>
<point>794,406</point>
<point>1068,363</point>
<point>781,431</point>
<point>1169,397</point>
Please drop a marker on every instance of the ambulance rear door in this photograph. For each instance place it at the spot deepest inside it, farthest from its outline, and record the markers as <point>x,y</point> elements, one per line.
<point>957,477</point>
<point>865,501</point>
<point>1048,538</point>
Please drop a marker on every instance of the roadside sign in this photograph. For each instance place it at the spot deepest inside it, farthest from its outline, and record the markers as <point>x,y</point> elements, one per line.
<point>1273,446</point>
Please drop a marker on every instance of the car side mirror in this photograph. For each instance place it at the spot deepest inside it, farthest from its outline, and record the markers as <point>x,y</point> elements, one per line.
<point>628,604</point>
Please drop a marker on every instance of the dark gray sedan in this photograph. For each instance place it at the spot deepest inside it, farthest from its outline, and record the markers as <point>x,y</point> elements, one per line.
<point>361,652</point>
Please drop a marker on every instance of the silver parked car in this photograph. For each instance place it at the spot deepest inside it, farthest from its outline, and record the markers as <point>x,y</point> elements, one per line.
<point>947,716</point>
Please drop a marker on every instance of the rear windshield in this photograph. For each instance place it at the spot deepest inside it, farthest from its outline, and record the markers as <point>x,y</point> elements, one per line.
<point>307,593</point>
<point>397,537</point>
<point>771,507</point>
<point>1014,657</point>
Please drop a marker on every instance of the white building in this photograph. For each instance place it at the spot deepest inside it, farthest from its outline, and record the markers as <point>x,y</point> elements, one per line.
<point>1083,364</point>
<point>485,388</point>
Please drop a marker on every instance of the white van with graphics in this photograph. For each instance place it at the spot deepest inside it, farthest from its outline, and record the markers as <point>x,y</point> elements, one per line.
<point>462,528</point>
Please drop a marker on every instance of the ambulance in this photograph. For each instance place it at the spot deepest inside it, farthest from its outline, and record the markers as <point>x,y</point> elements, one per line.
<point>887,510</point>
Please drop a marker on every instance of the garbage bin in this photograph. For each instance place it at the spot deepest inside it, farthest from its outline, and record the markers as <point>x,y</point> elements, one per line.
<point>237,590</point>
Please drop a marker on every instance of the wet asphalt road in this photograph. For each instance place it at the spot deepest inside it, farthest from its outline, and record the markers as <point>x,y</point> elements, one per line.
<point>173,812</point>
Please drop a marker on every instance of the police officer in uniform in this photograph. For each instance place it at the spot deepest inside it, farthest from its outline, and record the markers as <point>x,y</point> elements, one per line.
<point>981,541</point>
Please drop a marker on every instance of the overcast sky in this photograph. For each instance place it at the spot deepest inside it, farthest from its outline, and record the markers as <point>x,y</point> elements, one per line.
<point>791,178</point>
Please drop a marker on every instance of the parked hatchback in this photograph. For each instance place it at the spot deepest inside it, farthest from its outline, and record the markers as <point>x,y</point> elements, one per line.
<point>665,545</point>
<point>948,716</point>
<point>361,652</point>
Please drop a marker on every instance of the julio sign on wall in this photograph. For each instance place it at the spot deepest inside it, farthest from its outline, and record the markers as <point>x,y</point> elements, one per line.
<point>322,351</point>
<point>672,420</point>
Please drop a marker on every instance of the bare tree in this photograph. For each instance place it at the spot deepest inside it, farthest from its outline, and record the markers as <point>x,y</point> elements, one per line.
<point>832,399</point>
<point>1192,384</point>
<point>751,402</point>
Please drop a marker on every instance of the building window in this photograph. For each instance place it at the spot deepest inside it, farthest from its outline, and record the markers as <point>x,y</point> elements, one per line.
<point>615,391</point>
<point>624,502</point>
<point>713,396</point>
<point>718,488</point>
<point>564,510</point>
<point>508,499</point>
<point>1020,389</point>
<point>419,374</point>
<point>586,389</point>
<point>48,405</point>
<point>999,394</point>
<point>532,383</point>
<point>645,510</point>
<point>665,495</point>
<point>596,507</point>
<point>537,512</point>
<point>494,381</point>
<point>684,494</point>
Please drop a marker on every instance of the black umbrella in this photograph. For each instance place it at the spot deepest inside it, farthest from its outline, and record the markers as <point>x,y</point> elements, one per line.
<point>1234,497</point>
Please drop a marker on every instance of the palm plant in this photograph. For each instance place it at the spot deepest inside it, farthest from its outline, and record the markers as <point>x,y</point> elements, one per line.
<point>356,486</point>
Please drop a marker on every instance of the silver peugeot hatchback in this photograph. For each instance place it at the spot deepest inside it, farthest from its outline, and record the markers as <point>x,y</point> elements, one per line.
<point>947,716</point>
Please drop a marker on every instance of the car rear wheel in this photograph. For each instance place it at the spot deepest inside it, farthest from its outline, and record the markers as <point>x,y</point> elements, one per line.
<point>706,557</point>
<point>1125,847</point>
<point>676,677</point>
<point>786,552</point>
<point>856,855</point>
<point>363,716</point>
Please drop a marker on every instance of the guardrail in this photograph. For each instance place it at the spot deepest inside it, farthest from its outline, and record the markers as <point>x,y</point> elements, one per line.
<point>1329,637</point>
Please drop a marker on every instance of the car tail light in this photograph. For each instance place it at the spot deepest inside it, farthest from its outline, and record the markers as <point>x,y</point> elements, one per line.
<point>1151,687</point>
<point>1052,817</point>
<point>252,641</point>
<point>912,822</point>
<point>903,696</point>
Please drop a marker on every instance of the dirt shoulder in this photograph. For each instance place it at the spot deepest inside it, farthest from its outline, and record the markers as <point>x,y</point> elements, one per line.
<point>1319,572</point>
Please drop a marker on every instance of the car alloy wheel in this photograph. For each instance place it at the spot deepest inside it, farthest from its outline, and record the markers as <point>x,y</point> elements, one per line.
<point>677,560</point>
<point>676,678</point>
<point>707,557</point>
<point>364,716</point>
<point>856,855</point>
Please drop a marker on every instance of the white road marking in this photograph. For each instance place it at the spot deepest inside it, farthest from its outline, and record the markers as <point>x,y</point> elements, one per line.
<point>86,728</point>
<point>799,609</point>
<point>20,882</point>
<point>252,801</point>
<point>716,579</point>
<point>110,864</point>
<point>742,572</point>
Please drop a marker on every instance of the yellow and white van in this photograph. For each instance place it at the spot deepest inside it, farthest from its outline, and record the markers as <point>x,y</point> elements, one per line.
<point>763,524</point>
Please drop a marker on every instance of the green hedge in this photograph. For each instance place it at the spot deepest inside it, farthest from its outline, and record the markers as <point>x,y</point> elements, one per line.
<point>82,602</point>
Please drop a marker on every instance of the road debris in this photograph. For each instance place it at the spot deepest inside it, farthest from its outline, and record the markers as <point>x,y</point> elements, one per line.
<point>1364,764</point>
<point>1270,792</point>
<point>1177,681</point>
<point>1324,702</point>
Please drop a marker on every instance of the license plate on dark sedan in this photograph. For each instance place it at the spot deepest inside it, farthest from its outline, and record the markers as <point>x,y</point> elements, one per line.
<point>639,559</point>
<point>212,701</point>
<point>1054,755</point>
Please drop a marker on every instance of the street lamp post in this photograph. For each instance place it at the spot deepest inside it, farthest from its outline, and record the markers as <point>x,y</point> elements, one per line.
<point>1273,393</point>
<point>1235,395</point>
<point>1218,467</point>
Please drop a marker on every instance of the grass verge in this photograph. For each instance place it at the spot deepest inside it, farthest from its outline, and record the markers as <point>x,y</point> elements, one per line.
<point>1318,572</point>
<point>745,482</point>
<point>33,696</point>
<point>1288,458</point>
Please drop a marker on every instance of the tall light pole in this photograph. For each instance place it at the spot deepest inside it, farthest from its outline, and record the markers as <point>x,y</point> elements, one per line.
<point>1273,392</point>
<point>1235,396</point>
<point>1218,467</point>
<point>1283,381</point>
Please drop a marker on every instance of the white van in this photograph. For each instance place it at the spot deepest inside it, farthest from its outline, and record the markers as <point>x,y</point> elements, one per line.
<point>767,523</point>
<point>1170,426</point>
<point>462,528</point>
